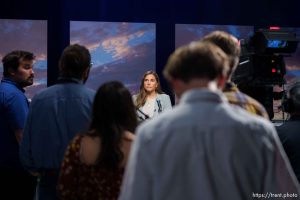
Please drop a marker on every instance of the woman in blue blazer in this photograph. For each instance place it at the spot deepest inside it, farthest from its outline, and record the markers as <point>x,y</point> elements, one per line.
<point>150,101</point>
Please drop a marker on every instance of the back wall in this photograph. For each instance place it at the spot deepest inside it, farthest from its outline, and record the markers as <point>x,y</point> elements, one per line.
<point>164,13</point>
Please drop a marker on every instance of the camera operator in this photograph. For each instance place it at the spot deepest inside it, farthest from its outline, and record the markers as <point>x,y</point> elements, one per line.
<point>289,131</point>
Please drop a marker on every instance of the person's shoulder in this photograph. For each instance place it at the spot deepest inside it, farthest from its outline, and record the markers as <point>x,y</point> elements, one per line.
<point>163,97</point>
<point>90,92</point>
<point>282,128</point>
<point>288,126</point>
<point>64,90</point>
<point>240,113</point>
<point>79,88</point>
<point>47,90</point>
<point>129,136</point>
<point>135,96</point>
<point>246,119</point>
<point>89,149</point>
<point>242,125</point>
<point>247,102</point>
<point>251,100</point>
<point>10,90</point>
<point>13,96</point>
<point>85,87</point>
<point>246,98</point>
<point>44,93</point>
<point>6,87</point>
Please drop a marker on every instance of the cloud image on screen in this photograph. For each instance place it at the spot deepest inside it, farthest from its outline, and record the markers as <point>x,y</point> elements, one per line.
<point>28,35</point>
<point>120,51</point>
<point>186,33</point>
<point>292,62</point>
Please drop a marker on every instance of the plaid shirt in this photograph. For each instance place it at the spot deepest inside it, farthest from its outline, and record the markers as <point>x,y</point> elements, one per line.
<point>246,102</point>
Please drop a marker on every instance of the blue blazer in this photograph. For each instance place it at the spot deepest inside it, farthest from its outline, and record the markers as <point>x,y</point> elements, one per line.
<point>163,102</point>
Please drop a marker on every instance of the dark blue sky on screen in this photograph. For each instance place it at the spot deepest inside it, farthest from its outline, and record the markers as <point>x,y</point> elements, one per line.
<point>120,51</point>
<point>186,33</point>
<point>28,35</point>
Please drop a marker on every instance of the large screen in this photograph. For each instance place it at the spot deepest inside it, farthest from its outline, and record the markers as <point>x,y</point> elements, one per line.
<point>28,35</point>
<point>120,51</point>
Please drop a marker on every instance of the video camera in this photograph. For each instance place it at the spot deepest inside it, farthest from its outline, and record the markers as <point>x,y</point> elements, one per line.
<point>262,64</point>
<point>262,57</point>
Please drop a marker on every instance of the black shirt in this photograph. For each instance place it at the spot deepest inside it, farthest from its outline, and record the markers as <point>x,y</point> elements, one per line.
<point>289,134</point>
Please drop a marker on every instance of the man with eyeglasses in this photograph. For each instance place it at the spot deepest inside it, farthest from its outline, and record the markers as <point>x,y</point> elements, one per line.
<point>56,114</point>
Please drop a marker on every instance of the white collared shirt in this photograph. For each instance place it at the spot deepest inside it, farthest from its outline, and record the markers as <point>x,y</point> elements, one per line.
<point>206,149</point>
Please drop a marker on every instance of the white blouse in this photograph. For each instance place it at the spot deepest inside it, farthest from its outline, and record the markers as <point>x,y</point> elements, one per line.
<point>149,106</point>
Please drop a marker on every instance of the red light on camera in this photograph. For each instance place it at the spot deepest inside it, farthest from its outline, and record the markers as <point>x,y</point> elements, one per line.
<point>274,28</point>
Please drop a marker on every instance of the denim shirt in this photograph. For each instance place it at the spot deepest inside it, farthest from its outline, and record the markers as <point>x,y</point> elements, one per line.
<point>56,114</point>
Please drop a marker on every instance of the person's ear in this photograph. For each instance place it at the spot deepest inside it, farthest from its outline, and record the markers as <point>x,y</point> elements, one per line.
<point>11,72</point>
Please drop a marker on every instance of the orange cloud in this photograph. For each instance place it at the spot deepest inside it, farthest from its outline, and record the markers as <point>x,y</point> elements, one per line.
<point>93,46</point>
<point>119,45</point>
<point>41,56</point>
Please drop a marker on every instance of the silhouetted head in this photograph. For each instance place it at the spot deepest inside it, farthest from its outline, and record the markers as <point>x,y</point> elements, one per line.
<point>75,62</point>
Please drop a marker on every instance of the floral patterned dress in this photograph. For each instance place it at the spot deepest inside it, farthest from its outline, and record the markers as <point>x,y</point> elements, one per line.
<point>79,181</point>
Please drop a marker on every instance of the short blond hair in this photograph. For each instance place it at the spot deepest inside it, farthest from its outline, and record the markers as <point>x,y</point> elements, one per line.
<point>202,60</point>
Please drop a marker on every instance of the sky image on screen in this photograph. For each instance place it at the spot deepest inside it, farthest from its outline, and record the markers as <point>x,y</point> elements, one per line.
<point>186,33</point>
<point>292,62</point>
<point>28,35</point>
<point>120,51</point>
